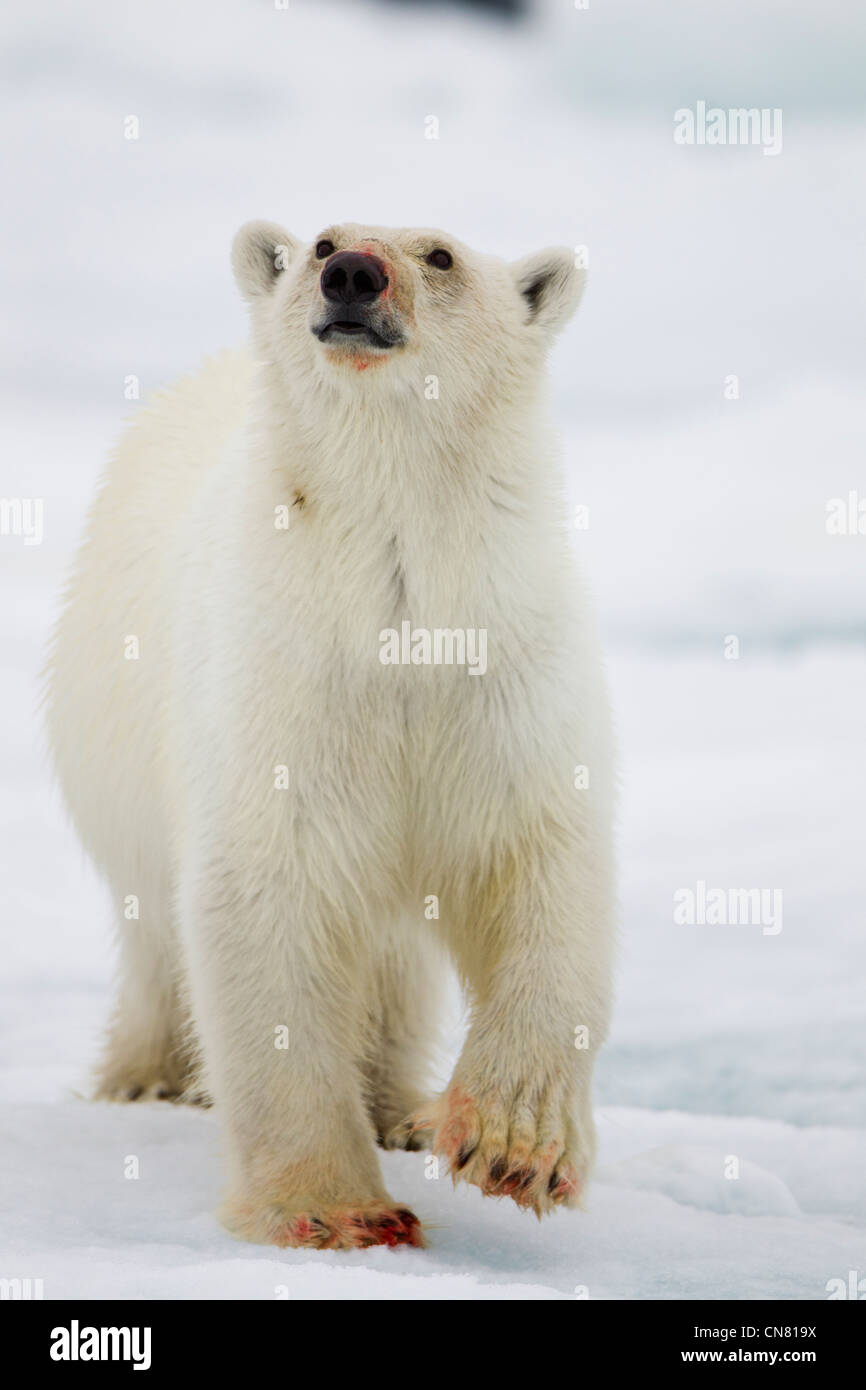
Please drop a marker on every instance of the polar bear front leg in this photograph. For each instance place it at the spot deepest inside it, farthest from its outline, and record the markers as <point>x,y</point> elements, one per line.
<point>277,986</point>
<point>535,949</point>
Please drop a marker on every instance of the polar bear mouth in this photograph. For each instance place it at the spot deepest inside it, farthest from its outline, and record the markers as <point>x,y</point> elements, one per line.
<point>345,328</point>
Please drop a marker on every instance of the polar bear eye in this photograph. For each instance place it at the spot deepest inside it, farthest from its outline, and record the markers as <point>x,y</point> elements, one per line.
<point>324,249</point>
<point>443,260</point>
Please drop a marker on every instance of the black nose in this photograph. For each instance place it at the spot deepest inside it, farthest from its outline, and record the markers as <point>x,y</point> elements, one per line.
<point>352,278</point>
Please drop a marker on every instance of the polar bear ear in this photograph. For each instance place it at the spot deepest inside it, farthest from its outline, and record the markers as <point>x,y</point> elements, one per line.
<point>551,286</point>
<point>261,251</point>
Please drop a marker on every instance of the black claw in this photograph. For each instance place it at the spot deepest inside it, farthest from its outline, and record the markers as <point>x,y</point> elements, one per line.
<point>498,1169</point>
<point>464,1155</point>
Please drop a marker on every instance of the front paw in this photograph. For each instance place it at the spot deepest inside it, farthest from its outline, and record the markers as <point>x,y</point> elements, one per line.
<point>524,1142</point>
<point>324,1224</point>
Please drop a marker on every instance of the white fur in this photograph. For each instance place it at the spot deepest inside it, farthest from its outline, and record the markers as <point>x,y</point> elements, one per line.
<point>259,648</point>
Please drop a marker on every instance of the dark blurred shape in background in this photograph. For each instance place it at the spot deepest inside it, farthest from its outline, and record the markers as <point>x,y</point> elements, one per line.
<point>511,9</point>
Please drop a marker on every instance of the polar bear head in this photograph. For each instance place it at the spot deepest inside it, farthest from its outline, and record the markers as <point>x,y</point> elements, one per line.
<point>397,307</point>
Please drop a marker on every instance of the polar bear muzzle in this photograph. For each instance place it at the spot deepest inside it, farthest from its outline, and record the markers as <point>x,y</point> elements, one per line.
<point>351,283</point>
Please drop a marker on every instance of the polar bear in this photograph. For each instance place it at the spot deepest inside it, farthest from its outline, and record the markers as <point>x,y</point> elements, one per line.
<point>300,834</point>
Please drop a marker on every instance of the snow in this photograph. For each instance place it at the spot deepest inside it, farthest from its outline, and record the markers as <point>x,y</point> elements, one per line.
<point>663,1221</point>
<point>730,1047</point>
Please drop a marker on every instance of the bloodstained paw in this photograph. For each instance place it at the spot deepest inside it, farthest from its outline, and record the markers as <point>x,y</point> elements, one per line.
<point>348,1229</point>
<point>505,1148</point>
